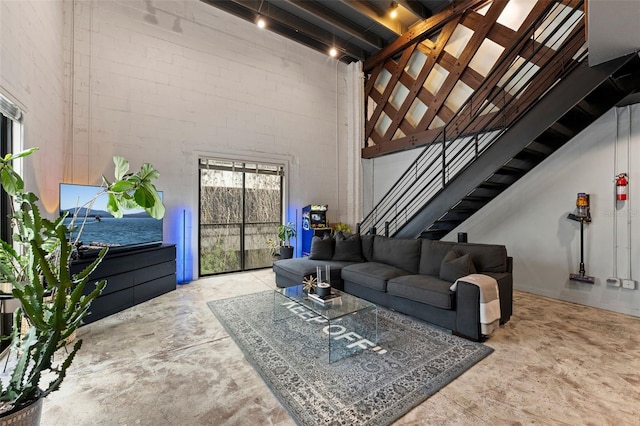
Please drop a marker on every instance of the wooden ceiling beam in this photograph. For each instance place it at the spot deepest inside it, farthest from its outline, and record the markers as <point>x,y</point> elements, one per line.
<point>551,70</point>
<point>408,142</point>
<point>508,106</point>
<point>395,76</point>
<point>424,73</point>
<point>461,64</point>
<point>490,87</point>
<point>422,30</point>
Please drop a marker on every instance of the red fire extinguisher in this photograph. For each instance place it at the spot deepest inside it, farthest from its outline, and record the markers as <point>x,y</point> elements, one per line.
<point>621,187</point>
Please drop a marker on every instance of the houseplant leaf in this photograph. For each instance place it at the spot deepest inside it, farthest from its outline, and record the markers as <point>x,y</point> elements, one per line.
<point>122,167</point>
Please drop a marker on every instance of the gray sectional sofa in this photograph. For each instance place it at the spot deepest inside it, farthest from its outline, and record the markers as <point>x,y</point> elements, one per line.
<point>410,276</point>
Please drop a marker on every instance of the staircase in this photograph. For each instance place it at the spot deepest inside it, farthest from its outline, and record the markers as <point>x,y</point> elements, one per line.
<point>516,119</point>
<point>574,103</point>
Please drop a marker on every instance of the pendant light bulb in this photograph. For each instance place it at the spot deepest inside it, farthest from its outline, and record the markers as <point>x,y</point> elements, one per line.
<point>333,52</point>
<point>394,10</point>
<point>261,23</point>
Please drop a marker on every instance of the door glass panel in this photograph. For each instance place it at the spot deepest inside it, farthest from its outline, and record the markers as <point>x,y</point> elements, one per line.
<point>262,216</point>
<point>220,221</point>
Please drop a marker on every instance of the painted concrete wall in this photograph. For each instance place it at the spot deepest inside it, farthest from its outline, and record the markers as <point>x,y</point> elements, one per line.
<point>32,41</point>
<point>168,82</point>
<point>530,217</point>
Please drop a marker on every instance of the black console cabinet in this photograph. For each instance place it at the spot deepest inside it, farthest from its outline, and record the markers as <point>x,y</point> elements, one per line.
<point>133,276</point>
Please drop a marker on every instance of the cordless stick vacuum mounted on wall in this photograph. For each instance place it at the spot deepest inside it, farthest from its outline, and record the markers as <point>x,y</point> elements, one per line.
<point>582,215</point>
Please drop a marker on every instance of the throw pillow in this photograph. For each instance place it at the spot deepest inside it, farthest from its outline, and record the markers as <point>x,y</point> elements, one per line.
<point>348,247</point>
<point>321,248</point>
<point>367,247</point>
<point>454,266</point>
<point>398,252</point>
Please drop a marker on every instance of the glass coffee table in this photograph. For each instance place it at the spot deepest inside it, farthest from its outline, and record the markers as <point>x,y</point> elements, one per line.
<point>350,324</point>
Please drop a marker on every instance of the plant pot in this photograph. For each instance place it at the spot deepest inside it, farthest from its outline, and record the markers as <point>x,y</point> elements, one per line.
<point>26,415</point>
<point>286,252</point>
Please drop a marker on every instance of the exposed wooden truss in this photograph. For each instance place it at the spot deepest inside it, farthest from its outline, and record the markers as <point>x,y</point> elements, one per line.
<point>468,49</point>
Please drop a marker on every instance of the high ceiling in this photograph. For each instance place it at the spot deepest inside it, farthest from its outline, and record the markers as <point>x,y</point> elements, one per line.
<point>356,28</point>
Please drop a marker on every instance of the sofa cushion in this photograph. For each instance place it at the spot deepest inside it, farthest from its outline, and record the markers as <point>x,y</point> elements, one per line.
<point>373,275</point>
<point>424,289</point>
<point>294,270</point>
<point>401,253</point>
<point>431,255</point>
<point>485,257</point>
<point>348,247</point>
<point>321,248</point>
<point>455,266</point>
<point>367,247</point>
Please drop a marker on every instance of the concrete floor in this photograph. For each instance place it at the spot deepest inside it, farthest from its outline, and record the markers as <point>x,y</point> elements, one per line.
<point>169,362</point>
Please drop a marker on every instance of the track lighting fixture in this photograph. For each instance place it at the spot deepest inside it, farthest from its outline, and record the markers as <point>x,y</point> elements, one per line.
<point>260,21</point>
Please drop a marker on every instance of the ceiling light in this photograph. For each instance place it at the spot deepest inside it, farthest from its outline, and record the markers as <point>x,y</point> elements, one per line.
<point>394,10</point>
<point>333,52</point>
<point>260,21</point>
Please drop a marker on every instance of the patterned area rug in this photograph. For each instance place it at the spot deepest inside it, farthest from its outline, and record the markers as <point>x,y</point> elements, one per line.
<point>376,386</point>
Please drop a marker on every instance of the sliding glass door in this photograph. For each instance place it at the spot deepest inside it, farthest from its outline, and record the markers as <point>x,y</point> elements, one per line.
<point>240,209</point>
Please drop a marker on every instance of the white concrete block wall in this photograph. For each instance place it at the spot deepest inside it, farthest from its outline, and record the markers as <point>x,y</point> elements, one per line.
<point>218,87</point>
<point>32,76</point>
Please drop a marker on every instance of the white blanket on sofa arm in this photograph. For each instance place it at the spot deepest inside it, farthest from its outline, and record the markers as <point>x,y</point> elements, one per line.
<point>489,300</point>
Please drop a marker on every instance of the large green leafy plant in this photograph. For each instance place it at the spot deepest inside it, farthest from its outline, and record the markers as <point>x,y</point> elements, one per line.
<point>286,233</point>
<point>37,264</point>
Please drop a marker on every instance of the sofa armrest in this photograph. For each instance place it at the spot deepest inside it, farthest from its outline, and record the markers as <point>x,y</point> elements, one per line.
<point>468,311</point>
<point>505,287</point>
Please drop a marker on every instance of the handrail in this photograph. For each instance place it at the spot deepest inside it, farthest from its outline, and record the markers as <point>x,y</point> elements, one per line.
<point>446,156</point>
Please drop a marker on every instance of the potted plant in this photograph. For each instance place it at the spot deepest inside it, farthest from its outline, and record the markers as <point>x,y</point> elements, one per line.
<point>285,234</point>
<point>51,299</point>
<point>274,249</point>
<point>341,227</point>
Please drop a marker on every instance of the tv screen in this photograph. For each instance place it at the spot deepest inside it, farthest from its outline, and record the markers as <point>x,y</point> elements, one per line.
<point>136,228</point>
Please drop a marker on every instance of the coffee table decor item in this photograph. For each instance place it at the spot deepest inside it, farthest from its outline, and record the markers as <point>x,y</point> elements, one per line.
<point>328,298</point>
<point>411,361</point>
<point>309,284</point>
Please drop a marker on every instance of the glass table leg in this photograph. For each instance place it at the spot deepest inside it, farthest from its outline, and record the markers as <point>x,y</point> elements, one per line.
<point>352,333</point>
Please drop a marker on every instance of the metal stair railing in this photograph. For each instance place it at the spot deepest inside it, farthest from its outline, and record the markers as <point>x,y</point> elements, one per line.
<point>446,156</point>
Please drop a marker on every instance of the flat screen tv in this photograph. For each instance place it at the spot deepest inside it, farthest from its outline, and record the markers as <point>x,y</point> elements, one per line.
<point>135,229</point>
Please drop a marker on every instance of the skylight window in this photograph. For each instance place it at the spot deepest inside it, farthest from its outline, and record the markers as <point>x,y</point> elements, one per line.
<point>515,12</point>
<point>416,112</point>
<point>435,79</point>
<point>415,64</point>
<point>458,40</point>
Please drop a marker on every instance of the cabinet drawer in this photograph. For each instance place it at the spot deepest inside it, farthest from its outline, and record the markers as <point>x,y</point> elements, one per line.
<point>151,289</point>
<point>151,273</point>
<point>109,304</point>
